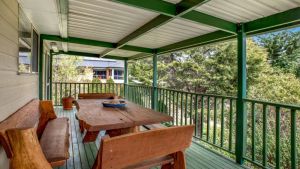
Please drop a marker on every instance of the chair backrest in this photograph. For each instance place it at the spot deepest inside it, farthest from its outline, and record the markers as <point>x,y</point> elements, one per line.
<point>96,95</point>
<point>46,113</point>
<point>130,149</point>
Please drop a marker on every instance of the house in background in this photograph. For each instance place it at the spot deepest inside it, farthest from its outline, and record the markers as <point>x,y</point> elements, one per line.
<point>105,69</point>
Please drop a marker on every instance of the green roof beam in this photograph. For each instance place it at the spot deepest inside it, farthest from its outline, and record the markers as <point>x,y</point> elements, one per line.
<point>90,55</point>
<point>183,6</point>
<point>90,42</point>
<point>197,41</point>
<point>280,20</point>
<point>184,9</point>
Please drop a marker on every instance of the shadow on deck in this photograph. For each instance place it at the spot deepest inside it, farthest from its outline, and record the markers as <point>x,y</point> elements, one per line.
<point>82,156</point>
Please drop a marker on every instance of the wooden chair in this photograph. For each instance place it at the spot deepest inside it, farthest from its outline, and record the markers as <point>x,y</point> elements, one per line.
<point>161,147</point>
<point>26,149</point>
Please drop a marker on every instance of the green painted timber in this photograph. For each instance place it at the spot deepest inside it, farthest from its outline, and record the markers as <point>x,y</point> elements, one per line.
<point>183,9</point>
<point>279,20</point>
<point>90,42</point>
<point>154,84</point>
<point>41,60</point>
<point>197,41</point>
<point>50,74</point>
<point>126,78</point>
<point>206,19</point>
<point>241,115</point>
<point>90,55</point>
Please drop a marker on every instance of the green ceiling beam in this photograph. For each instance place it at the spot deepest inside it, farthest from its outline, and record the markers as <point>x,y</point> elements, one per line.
<point>197,41</point>
<point>160,6</point>
<point>184,9</point>
<point>211,21</point>
<point>90,55</point>
<point>181,8</point>
<point>280,20</point>
<point>94,43</point>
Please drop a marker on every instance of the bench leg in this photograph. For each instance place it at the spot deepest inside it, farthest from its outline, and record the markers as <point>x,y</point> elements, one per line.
<point>118,132</point>
<point>90,136</point>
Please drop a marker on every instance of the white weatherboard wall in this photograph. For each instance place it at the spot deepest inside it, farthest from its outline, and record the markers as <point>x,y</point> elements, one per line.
<point>15,90</point>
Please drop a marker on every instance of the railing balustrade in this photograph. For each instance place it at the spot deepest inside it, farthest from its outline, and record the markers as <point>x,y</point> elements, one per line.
<point>272,138</point>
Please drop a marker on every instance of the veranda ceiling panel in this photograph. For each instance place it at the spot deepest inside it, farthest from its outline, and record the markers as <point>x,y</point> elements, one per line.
<point>241,11</point>
<point>123,53</point>
<point>85,48</point>
<point>172,32</point>
<point>104,20</point>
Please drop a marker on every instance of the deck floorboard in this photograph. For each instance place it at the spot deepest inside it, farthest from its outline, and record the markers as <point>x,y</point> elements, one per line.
<point>82,156</point>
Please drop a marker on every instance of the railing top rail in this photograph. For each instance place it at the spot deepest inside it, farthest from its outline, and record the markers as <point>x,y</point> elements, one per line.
<point>288,106</point>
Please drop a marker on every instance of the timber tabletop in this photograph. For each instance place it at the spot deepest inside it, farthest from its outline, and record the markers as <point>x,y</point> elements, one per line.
<point>96,117</point>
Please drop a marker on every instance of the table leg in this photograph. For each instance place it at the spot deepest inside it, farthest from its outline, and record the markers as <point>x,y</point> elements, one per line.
<point>118,132</point>
<point>90,136</point>
<point>81,126</point>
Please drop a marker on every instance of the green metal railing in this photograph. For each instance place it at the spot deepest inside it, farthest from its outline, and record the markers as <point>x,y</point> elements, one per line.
<point>272,138</point>
<point>61,89</point>
<point>214,117</point>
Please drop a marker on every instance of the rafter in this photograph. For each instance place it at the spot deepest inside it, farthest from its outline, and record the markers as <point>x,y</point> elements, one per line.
<point>280,20</point>
<point>90,42</point>
<point>184,9</point>
<point>75,53</point>
<point>180,9</point>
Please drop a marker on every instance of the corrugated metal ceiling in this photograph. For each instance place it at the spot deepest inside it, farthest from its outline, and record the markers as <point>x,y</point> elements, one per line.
<point>104,20</point>
<point>172,32</point>
<point>239,11</point>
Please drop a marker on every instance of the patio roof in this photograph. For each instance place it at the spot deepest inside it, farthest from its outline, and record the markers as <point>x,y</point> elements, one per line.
<point>130,29</point>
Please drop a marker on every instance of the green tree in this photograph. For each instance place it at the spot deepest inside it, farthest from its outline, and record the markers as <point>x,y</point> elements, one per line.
<point>283,50</point>
<point>65,68</point>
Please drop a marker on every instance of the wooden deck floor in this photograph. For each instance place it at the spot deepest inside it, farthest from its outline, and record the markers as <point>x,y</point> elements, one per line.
<point>82,156</point>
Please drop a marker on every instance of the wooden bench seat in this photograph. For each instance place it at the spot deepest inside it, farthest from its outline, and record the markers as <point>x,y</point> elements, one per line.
<point>145,149</point>
<point>53,132</point>
<point>55,141</point>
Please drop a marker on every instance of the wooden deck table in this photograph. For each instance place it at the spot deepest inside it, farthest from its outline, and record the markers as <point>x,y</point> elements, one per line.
<point>93,118</point>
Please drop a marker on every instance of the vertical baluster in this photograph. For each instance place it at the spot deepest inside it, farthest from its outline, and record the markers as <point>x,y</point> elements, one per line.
<point>177,105</point>
<point>70,91</point>
<point>293,139</point>
<point>83,87</point>
<point>196,116</point>
<point>75,90</point>
<point>166,101</point>
<point>191,109</point>
<point>215,120</point>
<point>181,112</point>
<point>253,130</point>
<point>222,122</point>
<point>173,107</point>
<point>277,137</point>
<point>185,108</point>
<point>202,117</point>
<point>208,118</point>
<point>265,134</point>
<point>60,93</point>
<point>162,100</point>
<point>170,111</point>
<point>230,124</point>
<point>56,94</point>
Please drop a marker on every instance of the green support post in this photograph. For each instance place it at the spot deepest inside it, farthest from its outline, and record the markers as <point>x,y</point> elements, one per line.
<point>41,60</point>
<point>126,79</point>
<point>154,84</point>
<point>241,117</point>
<point>50,74</point>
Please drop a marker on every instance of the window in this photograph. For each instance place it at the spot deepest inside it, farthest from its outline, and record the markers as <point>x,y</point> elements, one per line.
<point>118,74</point>
<point>100,74</point>
<point>28,45</point>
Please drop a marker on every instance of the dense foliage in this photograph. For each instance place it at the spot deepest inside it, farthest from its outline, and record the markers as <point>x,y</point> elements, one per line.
<point>213,69</point>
